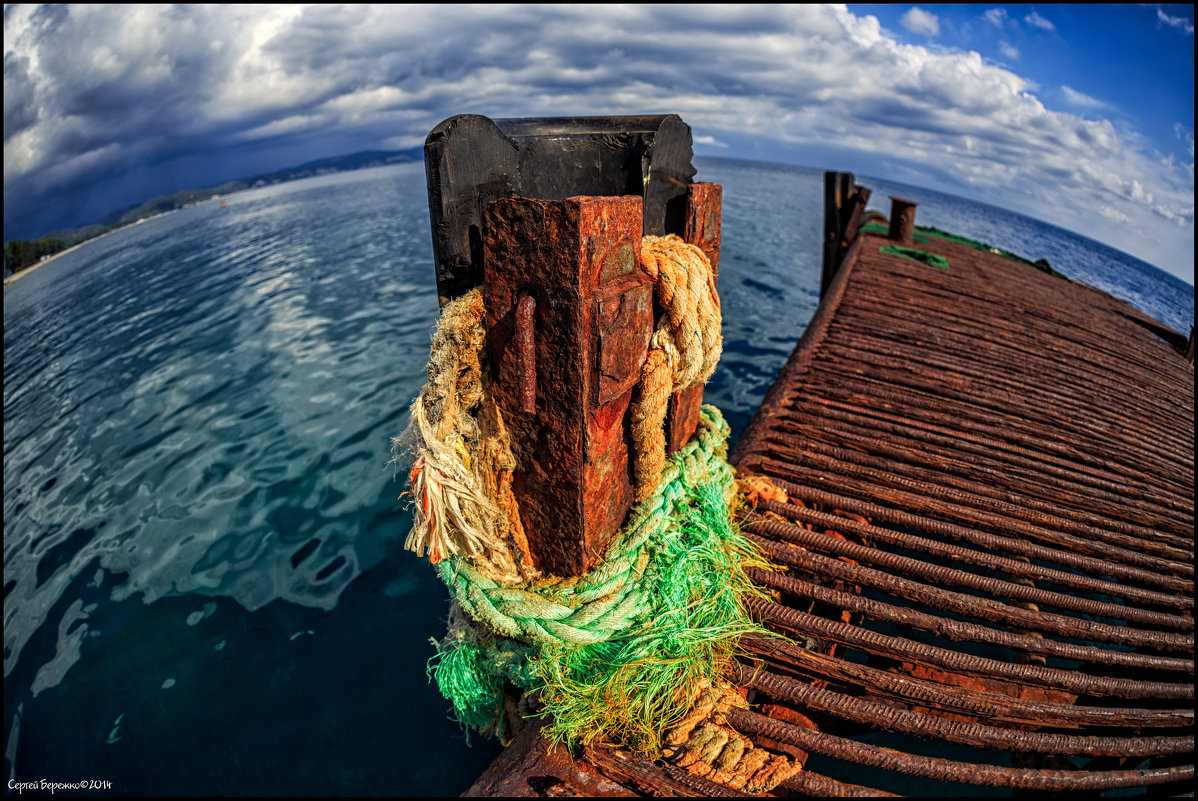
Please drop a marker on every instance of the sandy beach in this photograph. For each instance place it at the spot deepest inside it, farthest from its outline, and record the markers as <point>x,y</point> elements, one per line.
<point>17,276</point>
<point>11,279</point>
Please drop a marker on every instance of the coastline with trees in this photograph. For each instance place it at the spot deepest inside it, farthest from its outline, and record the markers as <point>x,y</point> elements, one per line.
<point>23,255</point>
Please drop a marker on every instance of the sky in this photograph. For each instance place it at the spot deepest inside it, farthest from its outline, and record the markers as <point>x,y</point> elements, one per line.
<point>1081,116</point>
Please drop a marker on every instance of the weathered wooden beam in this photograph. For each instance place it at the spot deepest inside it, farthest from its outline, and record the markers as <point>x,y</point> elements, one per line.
<point>471,160</point>
<point>591,313</point>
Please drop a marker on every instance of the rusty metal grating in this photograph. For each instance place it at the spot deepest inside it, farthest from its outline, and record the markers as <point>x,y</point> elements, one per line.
<point>988,536</point>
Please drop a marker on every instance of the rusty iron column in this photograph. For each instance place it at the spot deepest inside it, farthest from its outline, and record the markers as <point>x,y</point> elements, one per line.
<point>837,188</point>
<point>844,208</point>
<point>569,316</point>
<point>902,220</point>
<point>547,216</point>
<point>702,228</point>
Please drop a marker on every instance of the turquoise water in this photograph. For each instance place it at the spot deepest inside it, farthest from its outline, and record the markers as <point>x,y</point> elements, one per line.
<point>204,591</point>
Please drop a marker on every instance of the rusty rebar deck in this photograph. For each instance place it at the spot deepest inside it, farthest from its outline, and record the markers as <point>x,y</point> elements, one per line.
<point>988,543</point>
<point>1006,459</point>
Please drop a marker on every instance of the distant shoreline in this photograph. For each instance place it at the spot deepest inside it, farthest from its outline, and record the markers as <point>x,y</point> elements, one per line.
<point>18,275</point>
<point>351,162</point>
<point>12,279</point>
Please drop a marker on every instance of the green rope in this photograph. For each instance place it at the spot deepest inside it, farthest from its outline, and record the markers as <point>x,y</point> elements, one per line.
<point>614,651</point>
<point>462,674</point>
<point>924,235</point>
<point>930,259</point>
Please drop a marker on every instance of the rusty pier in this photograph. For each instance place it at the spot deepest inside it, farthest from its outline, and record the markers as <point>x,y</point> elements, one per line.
<point>988,529</point>
<point>980,487</point>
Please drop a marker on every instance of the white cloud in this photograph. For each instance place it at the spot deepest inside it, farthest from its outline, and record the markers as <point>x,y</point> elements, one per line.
<point>1080,100</point>
<point>919,21</point>
<point>1180,23</point>
<point>1113,214</point>
<point>1185,135</point>
<point>287,125</point>
<point>1037,21</point>
<point>996,17</point>
<point>1009,50</point>
<point>709,141</point>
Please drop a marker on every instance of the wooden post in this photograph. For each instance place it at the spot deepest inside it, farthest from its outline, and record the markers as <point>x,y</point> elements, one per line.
<point>902,220</point>
<point>591,313</point>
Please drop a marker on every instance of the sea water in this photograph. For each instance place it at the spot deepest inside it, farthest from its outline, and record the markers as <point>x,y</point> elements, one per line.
<point>204,585</point>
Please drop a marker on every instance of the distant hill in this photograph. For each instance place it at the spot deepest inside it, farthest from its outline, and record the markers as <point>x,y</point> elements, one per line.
<point>19,254</point>
<point>175,200</point>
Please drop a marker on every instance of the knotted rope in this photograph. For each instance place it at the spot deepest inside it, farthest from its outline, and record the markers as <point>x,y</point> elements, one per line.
<point>684,350</point>
<point>705,745</point>
<point>616,651</point>
<point>593,607</point>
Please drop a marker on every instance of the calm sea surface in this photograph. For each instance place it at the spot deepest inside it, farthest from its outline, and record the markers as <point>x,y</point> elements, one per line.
<point>204,591</point>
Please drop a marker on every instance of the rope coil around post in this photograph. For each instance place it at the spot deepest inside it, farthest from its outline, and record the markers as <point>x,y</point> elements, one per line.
<point>635,648</point>
<point>684,350</point>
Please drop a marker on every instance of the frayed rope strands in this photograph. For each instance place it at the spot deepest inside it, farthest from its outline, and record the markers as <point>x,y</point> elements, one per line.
<point>462,471</point>
<point>620,651</point>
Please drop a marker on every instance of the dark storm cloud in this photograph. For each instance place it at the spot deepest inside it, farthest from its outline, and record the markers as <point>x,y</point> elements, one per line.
<point>20,112</point>
<point>112,89</point>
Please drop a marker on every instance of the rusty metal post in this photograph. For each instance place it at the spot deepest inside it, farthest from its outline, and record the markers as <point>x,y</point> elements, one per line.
<point>543,213</point>
<point>702,228</point>
<point>856,212</point>
<point>837,187</point>
<point>902,220</point>
<point>844,208</point>
<point>569,309</point>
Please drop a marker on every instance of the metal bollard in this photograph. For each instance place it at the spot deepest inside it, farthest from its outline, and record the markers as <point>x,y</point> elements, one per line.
<point>902,220</point>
